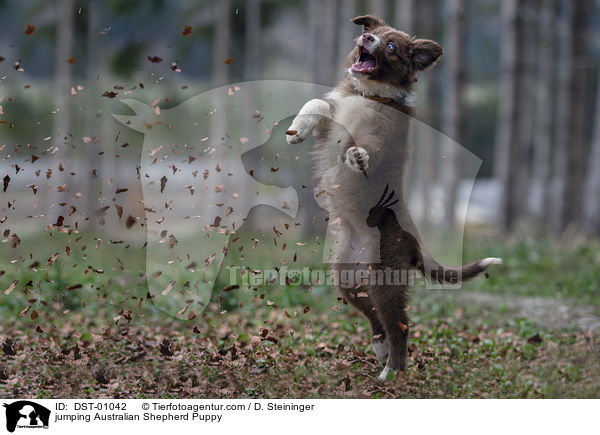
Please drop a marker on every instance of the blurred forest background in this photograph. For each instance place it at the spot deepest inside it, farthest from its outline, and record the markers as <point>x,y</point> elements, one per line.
<point>517,86</point>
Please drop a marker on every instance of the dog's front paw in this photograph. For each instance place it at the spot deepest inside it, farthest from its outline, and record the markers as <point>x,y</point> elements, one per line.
<point>300,129</point>
<point>357,159</point>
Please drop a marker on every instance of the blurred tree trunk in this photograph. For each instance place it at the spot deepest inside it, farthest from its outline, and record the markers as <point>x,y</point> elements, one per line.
<point>524,106</point>
<point>88,156</point>
<point>221,42</point>
<point>453,111</point>
<point>62,126</point>
<point>313,11</point>
<point>252,40</point>
<point>221,76</point>
<point>506,139</point>
<point>378,8</point>
<point>576,155</point>
<point>346,30</point>
<point>592,189</point>
<point>563,96</point>
<point>424,27</point>
<point>404,15</point>
<point>325,47</point>
<point>542,140</point>
<point>252,62</point>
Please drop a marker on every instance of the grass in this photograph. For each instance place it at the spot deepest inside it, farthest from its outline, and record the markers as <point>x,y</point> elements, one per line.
<point>568,267</point>
<point>106,339</point>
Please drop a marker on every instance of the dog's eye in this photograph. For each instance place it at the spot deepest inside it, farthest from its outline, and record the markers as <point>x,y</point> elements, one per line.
<point>390,46</point>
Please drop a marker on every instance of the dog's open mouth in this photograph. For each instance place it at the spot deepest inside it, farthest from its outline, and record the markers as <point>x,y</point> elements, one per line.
<point>365,63</point>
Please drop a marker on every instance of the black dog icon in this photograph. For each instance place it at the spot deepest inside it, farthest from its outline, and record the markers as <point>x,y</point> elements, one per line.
<point>29,411</point>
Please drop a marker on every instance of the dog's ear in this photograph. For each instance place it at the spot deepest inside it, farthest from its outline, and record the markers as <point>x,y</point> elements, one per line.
<point>368,22</point>
<point>424,54</point>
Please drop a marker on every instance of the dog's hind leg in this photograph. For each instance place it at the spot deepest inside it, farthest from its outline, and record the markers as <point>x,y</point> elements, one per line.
<point>390,303</point>
<point>355,296</point>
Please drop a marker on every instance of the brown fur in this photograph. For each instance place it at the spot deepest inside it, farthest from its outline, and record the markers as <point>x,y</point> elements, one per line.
<point>363,128</point>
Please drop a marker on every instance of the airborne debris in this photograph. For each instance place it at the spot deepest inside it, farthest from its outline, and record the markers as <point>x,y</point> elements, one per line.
<point>11,287</point>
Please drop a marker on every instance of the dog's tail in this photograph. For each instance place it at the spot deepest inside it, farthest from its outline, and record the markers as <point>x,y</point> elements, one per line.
<point>454,274</point>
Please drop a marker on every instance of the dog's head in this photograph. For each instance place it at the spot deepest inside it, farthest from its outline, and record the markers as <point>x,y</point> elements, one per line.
<point>386,58</point>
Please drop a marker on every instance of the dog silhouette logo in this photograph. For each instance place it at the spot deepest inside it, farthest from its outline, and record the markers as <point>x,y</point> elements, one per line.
<point>26,414</point>
<point>199,189</point>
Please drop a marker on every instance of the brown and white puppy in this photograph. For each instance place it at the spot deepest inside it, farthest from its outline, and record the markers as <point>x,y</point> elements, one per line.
<point>362,128</point>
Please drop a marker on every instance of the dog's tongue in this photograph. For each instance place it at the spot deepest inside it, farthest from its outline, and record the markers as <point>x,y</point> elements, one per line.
<point>363,66</point>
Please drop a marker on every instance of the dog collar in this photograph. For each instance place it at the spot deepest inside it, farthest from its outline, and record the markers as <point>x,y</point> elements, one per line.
<point>384,100</point>
<point>406,104</point>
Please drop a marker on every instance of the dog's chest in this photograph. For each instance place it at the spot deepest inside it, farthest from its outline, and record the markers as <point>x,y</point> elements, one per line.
<point>357,115</point>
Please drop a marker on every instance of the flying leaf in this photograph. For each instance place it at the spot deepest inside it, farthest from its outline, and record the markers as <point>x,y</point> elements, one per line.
<point>11,287</point>
<point>130,221</point>
<point>52,259</point>
<point>168,288</point>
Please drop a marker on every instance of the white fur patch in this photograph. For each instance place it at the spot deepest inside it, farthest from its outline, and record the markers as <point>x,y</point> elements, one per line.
<point>489,261</point>
<point>385,373</point>
<point>305,122</point>
<point>370,46</point>
<point>381,349</point>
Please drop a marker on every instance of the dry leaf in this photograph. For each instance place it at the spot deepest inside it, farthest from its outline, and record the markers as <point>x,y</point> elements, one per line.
<point>168,288</point>
<point>11,287</point>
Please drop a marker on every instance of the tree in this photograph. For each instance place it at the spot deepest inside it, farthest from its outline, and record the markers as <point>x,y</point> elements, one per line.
<point>312,61</point>
<point>64,79</point>
<point>453,112</point>
<point>325,47</point>
<point>346,30</point>
<point>378,8</point>
<point>87,156</point>
<point>506,138</point>
<point>405,15</point>
<point>427,89</point>
<point>525,84</point>
<point>252,40</point>
<point>560,131</point>
<point>592,187</point>
<point>576,157</point>
<point>542,140</point>
<point>221,42</point>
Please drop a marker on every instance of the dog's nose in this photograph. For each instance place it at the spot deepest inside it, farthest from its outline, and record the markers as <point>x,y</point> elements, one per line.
<point>367,37</point>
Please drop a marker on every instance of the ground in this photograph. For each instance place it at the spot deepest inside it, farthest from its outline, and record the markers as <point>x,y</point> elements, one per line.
<point>529,330</point>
